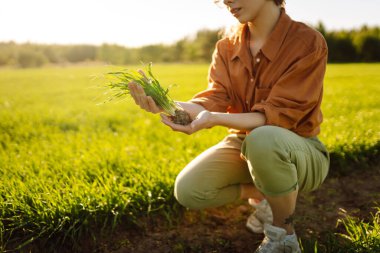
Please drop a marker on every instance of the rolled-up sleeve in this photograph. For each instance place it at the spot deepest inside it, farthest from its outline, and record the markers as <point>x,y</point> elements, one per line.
<point>297,93</point>
<point>215,98</point>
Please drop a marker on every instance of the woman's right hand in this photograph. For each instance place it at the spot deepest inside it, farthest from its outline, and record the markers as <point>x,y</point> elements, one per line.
<point>145,102</point>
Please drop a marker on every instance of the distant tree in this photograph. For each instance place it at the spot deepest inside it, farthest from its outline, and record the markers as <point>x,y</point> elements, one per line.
<point>52,53</point>
<point>152,53</point>
<point>7,53</point>
<point>28,58</point>
<point>130,56</point>
<point>179,50</point>
<point>344,46</point>
<point>341,48</point>
<point>78,53</point>
<point>113,54</point>
<point>321,28</point>
<point>204,44</point>
<point>367,42</point>
<point>370,49</point>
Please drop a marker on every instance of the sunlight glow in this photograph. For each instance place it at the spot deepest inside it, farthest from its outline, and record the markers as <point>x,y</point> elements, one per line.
<point>136,23</point>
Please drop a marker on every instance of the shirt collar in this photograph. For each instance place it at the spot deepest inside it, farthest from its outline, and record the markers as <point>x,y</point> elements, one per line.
<point>273,42</point>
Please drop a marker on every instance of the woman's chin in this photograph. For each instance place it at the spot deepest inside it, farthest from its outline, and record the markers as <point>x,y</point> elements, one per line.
<point>242,20</point>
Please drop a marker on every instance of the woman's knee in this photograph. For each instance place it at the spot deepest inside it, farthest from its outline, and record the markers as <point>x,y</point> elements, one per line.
<point>182,192</point>
<point>262,143</point>
<point>190,193</point>
<point>266,150</point>
<point>209,180</point>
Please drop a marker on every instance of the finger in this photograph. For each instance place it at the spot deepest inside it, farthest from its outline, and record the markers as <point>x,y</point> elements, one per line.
<point>142,97</point>
<point>152,105</point>
<point>175,127</point>
<point>165,117</point>
<point>132,91</point>
<point>166,121</point>
<point>143,74</point>
<point>139,90</point>
<point>168,124</point>
<point>136,94</point>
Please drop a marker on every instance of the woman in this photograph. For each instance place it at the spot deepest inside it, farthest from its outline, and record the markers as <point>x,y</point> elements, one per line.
<point>265,85</point>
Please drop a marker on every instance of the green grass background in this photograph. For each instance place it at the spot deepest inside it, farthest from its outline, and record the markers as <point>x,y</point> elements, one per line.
<point>69,163</point>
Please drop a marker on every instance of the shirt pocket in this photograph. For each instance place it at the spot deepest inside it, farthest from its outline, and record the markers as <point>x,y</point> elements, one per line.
<point>261,94</point>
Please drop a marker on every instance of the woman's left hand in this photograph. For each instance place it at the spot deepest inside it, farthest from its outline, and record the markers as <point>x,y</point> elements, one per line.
<point>203,120</point>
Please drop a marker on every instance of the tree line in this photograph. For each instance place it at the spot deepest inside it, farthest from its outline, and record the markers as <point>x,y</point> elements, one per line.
<point>356,45</point>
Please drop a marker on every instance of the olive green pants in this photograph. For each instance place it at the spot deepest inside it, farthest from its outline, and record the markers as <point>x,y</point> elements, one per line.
<point>276,160</point>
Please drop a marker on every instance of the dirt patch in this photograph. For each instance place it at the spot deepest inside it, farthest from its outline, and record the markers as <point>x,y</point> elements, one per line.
<point>223,229</point>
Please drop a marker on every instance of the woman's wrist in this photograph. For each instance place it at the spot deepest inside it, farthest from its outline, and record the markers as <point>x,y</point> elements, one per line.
<point>215,119</point>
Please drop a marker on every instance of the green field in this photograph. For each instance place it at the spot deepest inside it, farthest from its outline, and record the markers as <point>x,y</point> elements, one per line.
<point>69,163</point>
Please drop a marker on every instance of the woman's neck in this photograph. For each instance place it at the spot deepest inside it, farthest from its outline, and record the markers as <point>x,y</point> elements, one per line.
<point>264,22</point>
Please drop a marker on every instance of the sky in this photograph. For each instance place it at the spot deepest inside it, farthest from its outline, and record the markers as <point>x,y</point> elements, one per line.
<point>135,23</point>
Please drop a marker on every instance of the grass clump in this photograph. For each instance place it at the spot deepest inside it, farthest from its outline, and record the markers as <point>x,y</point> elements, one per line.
<point>362,236</point>
<point>356,236</point>
<point>152,88</point>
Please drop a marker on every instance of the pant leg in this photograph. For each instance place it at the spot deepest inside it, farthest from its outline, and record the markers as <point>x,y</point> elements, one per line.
<point>213,178</point>
<point>281,160</point>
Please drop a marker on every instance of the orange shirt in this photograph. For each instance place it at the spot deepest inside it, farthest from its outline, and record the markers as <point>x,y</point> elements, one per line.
<point>284,81</point>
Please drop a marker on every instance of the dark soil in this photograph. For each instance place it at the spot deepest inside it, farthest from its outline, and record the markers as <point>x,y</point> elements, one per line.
<point>181,117</point>
<point>223,229</point>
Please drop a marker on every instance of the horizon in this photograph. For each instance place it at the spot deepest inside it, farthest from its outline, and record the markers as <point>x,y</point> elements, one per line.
<point>55,22</point>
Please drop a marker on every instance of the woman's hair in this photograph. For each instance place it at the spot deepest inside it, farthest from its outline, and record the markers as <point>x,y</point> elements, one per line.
<point>233,32</point>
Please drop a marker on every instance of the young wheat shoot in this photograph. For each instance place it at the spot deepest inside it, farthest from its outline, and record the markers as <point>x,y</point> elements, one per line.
<point>151,88</point>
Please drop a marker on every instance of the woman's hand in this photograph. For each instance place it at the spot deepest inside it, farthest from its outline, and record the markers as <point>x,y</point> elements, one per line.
<point>145,102</point>
<point>203,120</point>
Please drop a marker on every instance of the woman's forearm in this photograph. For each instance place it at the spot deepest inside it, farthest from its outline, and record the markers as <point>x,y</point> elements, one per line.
<point>241,121</point>
<point>192,108</point>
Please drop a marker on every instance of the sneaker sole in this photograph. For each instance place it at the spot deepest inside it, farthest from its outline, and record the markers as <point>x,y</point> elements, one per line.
<point>255,229</point>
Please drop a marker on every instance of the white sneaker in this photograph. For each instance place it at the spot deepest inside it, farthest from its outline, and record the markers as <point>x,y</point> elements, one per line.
<point>262,214</point>
<point>277,241</point>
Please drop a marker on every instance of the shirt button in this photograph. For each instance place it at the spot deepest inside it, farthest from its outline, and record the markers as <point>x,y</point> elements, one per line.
<point>246,101</point>
<point>252,80</point>
<point>257,60</point>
